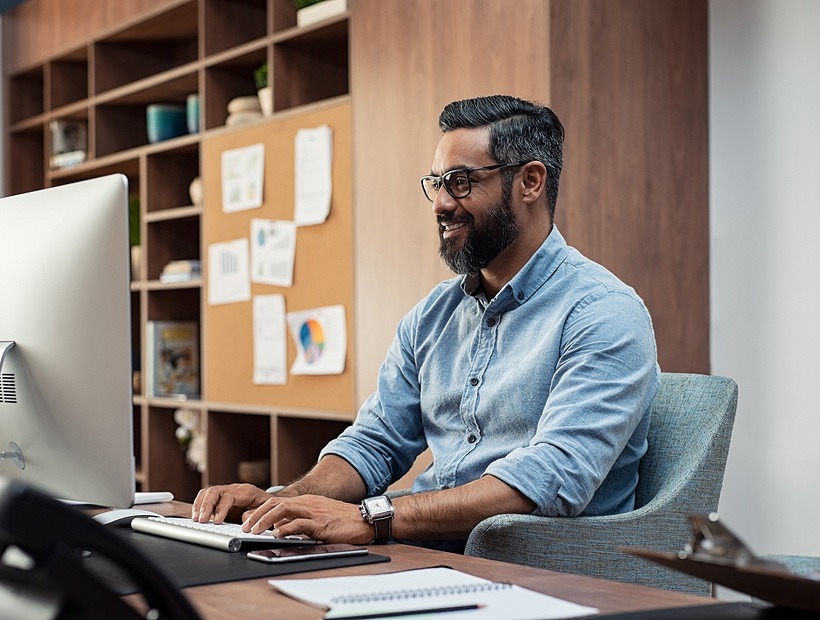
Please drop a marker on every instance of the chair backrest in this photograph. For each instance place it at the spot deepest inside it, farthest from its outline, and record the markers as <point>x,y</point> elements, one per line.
<point>681,474</point>
<point>689,436</point>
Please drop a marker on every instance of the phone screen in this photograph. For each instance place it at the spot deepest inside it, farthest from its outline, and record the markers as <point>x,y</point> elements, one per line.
<point>313,552</point>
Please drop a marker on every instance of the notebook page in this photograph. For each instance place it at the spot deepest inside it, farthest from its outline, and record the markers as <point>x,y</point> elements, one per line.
<point>428,588</point>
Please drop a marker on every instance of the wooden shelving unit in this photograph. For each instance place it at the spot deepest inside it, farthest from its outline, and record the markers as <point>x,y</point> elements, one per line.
<point>209,47</point>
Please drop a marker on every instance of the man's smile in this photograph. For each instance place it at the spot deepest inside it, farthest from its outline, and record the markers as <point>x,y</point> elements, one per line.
<point>448,228</point>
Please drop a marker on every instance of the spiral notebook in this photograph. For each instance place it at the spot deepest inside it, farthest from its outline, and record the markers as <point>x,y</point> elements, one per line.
<point>429,590</point>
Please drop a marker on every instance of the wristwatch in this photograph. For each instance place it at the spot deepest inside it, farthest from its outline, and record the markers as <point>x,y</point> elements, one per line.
<point>379,511</point>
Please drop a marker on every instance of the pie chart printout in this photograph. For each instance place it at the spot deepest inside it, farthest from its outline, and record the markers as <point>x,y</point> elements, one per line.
<point>313,340</point>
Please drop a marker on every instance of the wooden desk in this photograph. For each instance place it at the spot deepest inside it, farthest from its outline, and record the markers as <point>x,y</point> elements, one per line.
<point>254,598</point>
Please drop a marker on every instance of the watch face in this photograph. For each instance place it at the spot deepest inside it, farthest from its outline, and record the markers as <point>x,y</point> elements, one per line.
<point>378,505</point>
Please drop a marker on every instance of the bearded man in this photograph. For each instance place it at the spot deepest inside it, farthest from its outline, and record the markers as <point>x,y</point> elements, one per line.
<point>529,376</point>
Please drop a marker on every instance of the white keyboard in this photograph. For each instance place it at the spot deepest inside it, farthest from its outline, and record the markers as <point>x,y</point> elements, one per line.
<point>225,536</point>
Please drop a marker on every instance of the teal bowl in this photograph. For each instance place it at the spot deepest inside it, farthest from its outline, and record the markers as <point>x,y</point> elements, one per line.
<point>165,121</point>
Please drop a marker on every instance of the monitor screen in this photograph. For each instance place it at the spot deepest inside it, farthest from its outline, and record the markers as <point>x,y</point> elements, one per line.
<point>66,405</point>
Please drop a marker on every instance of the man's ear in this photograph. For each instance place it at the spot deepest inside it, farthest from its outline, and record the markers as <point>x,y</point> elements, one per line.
<point>534,179</point>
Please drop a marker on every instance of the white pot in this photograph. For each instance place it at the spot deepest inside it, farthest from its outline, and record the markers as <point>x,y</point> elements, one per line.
<point>136,262</point>
<point>266,100</point>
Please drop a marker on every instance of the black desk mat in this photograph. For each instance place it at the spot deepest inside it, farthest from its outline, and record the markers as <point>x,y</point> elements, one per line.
<point>186,564</point>
<point>720,611</point>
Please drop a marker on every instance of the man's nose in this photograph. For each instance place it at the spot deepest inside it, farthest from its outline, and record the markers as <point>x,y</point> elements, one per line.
<point>444,202</point>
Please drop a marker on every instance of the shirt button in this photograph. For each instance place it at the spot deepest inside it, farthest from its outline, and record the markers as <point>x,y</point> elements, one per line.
<point>474,382</point>
<point>521,296</point>
<point>471,438</point>
<point>490,322</point>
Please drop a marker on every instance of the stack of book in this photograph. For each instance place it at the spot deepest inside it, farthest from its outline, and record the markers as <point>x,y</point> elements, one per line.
<point>181,271</point>
<point>69,143</point>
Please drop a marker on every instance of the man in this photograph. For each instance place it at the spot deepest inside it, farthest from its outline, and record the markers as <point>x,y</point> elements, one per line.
<point>530,376</point>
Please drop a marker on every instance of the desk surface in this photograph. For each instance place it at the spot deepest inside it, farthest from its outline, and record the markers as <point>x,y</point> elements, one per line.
<point>250,598</point>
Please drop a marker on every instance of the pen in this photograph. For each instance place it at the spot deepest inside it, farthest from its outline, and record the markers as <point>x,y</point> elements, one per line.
<point>403,612</point>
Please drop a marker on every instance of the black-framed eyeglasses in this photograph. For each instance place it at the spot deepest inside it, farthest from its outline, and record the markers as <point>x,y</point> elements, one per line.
<point>457,182</point>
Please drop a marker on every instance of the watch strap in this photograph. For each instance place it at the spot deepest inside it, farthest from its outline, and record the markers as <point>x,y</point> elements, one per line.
<point>383,529</point>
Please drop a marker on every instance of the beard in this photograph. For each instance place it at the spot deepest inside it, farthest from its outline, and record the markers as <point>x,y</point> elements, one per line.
<point>487,235</point>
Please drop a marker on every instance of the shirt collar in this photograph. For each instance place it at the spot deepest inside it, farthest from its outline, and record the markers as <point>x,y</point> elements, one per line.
<point>533,274</point>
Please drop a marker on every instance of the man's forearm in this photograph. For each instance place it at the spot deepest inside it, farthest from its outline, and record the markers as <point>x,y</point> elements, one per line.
<point>331,477</point>
<point>453,513</point>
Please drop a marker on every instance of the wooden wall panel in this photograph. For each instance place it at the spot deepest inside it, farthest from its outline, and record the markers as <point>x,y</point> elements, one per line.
<point>629,82</point>
<point>39,29</point>
<point>628,79</point>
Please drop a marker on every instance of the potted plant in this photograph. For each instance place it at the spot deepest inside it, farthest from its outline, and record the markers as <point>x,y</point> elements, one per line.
<point>263,90</point>
<point>313,11</point>
<point>134,235</point>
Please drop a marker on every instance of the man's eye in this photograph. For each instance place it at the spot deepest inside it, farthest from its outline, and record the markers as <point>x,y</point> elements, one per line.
<point>459,180</point>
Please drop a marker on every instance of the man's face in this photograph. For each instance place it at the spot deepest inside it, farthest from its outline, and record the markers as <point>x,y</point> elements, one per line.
<point>475,229</point>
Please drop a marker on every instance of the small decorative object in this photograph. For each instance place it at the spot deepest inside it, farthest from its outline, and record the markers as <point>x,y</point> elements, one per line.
<point>192,112</point>
<point>313,11</point>
<point>191,438</point>
<point>183,270</point>
<point>242,110</point>
<point>254,472</point>
<point>195,191</point>
<point>136,261</point>
<point>264,91</point>
<point>165,121</point>
<point>69,143</point>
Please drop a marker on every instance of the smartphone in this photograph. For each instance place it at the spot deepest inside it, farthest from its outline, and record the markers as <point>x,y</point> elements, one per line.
<point>312,552</point>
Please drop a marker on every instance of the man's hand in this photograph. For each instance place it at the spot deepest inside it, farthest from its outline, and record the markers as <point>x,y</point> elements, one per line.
<point>317,517</point>
<point>216,503</point>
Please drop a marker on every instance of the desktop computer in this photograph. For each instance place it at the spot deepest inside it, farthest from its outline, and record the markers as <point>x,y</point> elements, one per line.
<point>66,407</point>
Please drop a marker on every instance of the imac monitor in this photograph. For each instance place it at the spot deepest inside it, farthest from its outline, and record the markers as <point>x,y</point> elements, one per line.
<point>66,409</point>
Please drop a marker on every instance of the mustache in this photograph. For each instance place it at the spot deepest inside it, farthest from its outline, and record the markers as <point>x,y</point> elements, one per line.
<point>452,218</point>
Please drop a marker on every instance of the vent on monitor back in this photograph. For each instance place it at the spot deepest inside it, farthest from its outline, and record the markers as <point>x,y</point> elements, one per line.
<point>8,391</point>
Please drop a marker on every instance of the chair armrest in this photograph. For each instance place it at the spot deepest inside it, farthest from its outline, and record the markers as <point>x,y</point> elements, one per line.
<point>587,546</point>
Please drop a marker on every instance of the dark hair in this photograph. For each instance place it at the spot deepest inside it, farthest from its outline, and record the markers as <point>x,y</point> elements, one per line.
<point>519,130</point>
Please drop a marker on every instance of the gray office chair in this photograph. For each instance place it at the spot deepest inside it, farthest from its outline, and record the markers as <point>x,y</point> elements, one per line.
<point>681,473</point>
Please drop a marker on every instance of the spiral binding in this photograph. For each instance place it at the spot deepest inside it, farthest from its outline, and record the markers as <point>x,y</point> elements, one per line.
<point>396,595</point>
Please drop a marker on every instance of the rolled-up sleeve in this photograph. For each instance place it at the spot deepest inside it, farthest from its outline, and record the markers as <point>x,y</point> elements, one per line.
<point>600,394</point>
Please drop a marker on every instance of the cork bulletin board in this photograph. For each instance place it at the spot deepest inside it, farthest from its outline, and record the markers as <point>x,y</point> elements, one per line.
<point>323,270</point>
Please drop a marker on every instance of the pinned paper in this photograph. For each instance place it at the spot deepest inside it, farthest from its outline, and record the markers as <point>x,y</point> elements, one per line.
<point>270,351</point>
<point>314,159</point>
<point>243,178</point>
<point>228,279</point>
<point>320,335</point>
<point>273,250</point>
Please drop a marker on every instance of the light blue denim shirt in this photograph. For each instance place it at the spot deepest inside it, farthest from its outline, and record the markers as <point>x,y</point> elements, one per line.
<point>547,387</point>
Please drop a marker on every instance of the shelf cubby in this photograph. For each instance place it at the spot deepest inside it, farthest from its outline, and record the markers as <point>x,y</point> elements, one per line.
<point>158,44</point>
<point>167,466</point>
<point>68,78</point>
<point>231,23</point>
<point>234,438</point>
<point>26,95</point>
<point>168,240</point>
<point>177,303</point>
<point>171,172</point>
<point>299,441</point>
<point>28,167</point>
<point>230,78</point>
<point>320,50</point>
